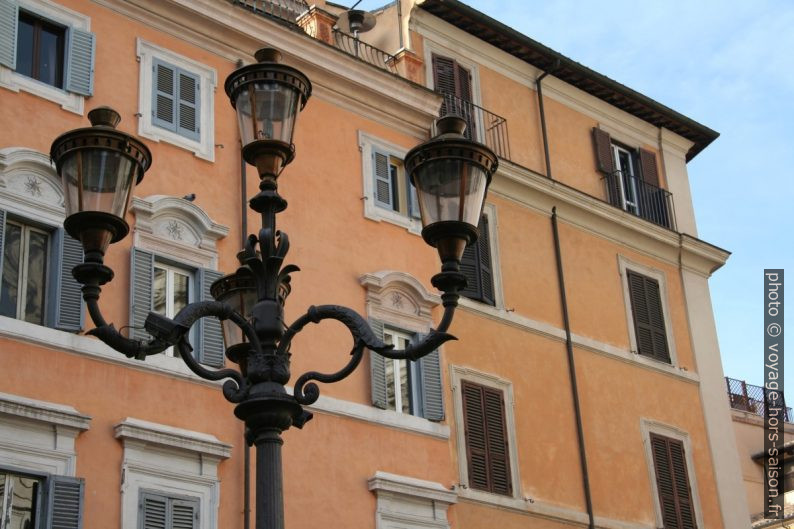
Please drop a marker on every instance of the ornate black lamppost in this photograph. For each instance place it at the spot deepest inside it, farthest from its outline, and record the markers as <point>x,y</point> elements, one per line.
<point>100,165</point>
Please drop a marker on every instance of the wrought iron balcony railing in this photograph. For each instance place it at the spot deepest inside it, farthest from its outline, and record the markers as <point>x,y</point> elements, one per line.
<point>637,196</point>
<point>483,126</point>
<point>754,399</point>
<point>366,52</point>
<point>286,10</point>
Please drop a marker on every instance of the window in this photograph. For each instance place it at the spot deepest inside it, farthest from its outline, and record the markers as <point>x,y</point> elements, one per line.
<point>632,179</point>
<point>648,317</point>
<point>393,189</point>
<point>404,386</point>
<point>36,284</point>
<point>158,511</point>
<point>672,482</point>
<point>487,451</point>
<point>28,501</point>
<point>454,82</point>
<point>157,285</point>
<point>20,500</point>
<point>47,50</point>
<point>476,266</point>
<point>176,96</point>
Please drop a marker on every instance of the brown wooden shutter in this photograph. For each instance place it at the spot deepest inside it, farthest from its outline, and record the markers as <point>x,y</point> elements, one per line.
<point>650,173</point>
<point>475,264</point>
<point>486,438</point>
<point>672,481</point>
<point>646,308</point>
<point>444,75</point>
<point>605,162</point>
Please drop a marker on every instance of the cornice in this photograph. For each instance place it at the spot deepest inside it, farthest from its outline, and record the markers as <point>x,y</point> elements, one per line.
<point>417,488</point>
<point>234,33</point>
<point>169,436</point>
<point>46,412</point>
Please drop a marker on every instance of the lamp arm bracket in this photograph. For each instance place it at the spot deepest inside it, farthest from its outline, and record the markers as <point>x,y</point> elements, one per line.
<point>235,390</point>
<point>363,337</point>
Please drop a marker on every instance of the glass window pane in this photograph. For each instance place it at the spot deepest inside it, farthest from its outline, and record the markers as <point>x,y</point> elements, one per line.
<point>36,276</point>
<point>24,499</point>
<point>50,56</point>
<point>25,45</point>
<point>159,291</point>
<point>9,287</point>
<point>404,399</point>
<point>181,292</point>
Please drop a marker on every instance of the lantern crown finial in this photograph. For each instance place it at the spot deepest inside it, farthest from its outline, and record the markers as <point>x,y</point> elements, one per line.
<point>104,117</point>
<point>268,55</point>
<point>451,125</point>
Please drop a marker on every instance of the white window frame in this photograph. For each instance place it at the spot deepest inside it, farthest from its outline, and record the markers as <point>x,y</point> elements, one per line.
<point>171,461</point>
<point>15,82</point>
<point>397,365</point>
<point>203,148</point>
<point>649,426</point>
<point>457,375</point>
<point>624,265</point>
<point>170,270</point>
<point>367,144</point>
<point>627,205</point>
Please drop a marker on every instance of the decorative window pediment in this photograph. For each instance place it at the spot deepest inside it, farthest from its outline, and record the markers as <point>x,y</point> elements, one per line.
<point>29,181</point>
<point>399,297</point>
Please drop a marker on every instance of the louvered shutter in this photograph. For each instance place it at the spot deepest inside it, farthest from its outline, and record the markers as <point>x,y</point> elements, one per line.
<point>184,514</point>
<point>464,92</point>
<point>377,369</point>
<point>444,75</point>
<point>603,151</point>
<point>475,264</point>
<point>69,302</point>
<point>153,511</point>
<point>646,308</point>
<point>672,481</point>
<point>188,108</point>
<point>431,390</point>
<point>164,105</point>
<point>382,184</point>
<point>475,434</point>
<point>497,441</point>
<point>142,272</point>
<point>211,350</point>
<point>80,65</point>
<point>650,172</point>
<point>65,503</point>
<point>9,17</point>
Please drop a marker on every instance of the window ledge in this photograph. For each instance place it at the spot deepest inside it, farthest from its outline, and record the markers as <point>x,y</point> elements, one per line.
<point>198,442</point>
<point>379,214</point>
<point>47,412</point>
<point>15,82</point>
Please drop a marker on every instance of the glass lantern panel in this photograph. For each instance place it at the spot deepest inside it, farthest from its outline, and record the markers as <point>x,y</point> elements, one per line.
<point>274,105</point>
<point>242,300</point>
<point>98,180</point>
<point>450,190</point>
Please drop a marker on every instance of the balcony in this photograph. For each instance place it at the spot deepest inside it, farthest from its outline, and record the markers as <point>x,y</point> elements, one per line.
<point>367,53</point>
<point>285,10</point>
<point>640,198</point>
<point>753,399</point>
<point>483,126</point>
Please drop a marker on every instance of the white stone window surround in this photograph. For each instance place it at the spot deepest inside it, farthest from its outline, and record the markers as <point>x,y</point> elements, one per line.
<point>625,264</point>
<point>649,426</point>
<point>39,436</point>
<point>203,148</point>
<point>171,461</point>
<point>372,211</point>
<point>457,375</point>
<point>489,210</point>
<point>410,503</point>
<point>15,82</point>
<point>30,187</point>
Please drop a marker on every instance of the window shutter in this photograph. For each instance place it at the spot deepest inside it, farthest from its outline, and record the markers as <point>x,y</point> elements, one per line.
<point>646,308</point>
<point>432,391</point>
<point>475,434</point>
<point>184,514</point>
<point>377,368</point>
<point>153,510</point>
<point>497,441</point>
<point>444,75</point>
<point>464,92</point>
<point>486,438</point>
<point>484,256</point>
<point>382,190</point>
<point>189,100</point>
<point>9,17</point>
<point>603,151</point>
<point>80,68</point>
<point>211,341</point>
<point>164,95</point>
<point>672,481</point>
<point>69,303</point>
<point>650,172</point>
<point>142,272</point>
<point>65,503</point>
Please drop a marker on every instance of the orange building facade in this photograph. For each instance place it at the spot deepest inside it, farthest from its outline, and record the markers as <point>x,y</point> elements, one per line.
<point>585,389</point>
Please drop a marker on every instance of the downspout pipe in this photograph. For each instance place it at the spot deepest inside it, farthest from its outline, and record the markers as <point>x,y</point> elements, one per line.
<point>539,84</point>
<point>572,371</point>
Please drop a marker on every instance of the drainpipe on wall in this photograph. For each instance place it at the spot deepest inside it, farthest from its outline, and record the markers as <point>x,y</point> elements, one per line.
<point>572,369</point>
<point>538,82</point>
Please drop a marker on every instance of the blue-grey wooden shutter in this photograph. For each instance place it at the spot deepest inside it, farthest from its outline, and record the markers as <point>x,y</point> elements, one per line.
<point>80,65</point>
<point>211,338</point>
<point>184,514</point>
<point>152,511</point>
<point>188,111</point>
<point>377,369</point>
<point>164,105</point>
<point>69,302</point>
<point>65,503</point>
<point>431,387</point>
<point>141,279</point>
<point>382,185</point>
<point>9,17</point>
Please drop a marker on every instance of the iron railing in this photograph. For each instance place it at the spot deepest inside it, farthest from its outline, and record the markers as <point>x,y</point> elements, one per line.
<point>754,399</point>
<point>483,126</point>
<point>366,52</point>
<point>637,196</point>
<point>286,10</point>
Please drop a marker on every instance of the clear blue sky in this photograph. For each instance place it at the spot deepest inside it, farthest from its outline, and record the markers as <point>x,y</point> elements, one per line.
<point>728,64</point>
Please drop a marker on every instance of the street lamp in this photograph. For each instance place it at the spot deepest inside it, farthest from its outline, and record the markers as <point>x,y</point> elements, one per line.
<point>99,167</point>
